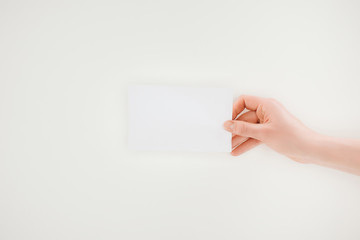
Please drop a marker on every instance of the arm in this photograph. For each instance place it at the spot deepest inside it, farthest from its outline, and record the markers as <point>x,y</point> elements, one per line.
<point>342,154</point>
<point>267,121</point>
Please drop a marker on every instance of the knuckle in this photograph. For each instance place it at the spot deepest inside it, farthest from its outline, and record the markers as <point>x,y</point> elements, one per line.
<point>274,102</point>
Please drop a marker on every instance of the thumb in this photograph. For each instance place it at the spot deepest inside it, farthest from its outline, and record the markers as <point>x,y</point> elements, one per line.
<point>245,129</point>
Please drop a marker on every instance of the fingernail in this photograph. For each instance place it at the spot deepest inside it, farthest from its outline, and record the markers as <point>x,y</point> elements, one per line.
<point>229,126</point>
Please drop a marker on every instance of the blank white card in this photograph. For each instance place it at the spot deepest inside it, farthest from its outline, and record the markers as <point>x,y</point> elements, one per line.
<point>179,118</point>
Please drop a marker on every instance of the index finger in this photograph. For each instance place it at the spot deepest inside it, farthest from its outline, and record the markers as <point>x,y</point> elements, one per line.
<point>248,102</point>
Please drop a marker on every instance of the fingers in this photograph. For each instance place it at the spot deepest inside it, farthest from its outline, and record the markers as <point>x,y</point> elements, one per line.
<point>247,117</point>
<point>248,102</point>
<point>245,146</point>
<point>245,129</point>
<point>237,140</point>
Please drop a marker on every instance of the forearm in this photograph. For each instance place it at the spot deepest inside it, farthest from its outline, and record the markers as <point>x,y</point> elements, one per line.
<point>339,153</point>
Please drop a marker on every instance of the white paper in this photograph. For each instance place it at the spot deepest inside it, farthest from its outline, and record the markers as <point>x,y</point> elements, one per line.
<point>179,118</point>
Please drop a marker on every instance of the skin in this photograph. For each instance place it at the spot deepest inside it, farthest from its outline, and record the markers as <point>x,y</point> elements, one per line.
<point>268,122</point>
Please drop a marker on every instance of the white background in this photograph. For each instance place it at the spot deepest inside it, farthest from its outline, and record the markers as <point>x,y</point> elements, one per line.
<point>65,170</point>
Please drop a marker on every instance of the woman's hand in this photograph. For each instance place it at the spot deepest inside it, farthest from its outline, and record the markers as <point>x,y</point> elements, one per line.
<point>267,121</point>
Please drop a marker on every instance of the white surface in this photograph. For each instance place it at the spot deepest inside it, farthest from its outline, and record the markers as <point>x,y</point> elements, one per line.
<point>179,118</point>
<point>65,171</point>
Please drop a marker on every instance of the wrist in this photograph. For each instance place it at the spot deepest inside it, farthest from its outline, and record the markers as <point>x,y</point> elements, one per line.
<point>322,150</point>
<point>312,147</point>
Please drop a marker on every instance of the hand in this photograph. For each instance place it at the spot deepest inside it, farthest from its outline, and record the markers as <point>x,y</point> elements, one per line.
<point>267,121</point>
